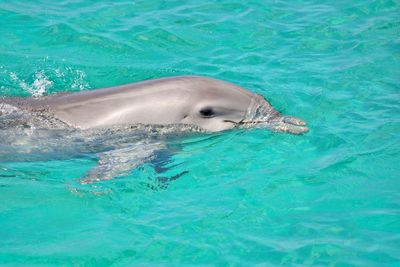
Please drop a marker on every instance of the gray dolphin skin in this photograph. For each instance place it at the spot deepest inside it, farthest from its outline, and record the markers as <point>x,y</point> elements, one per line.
<point>210,104</point>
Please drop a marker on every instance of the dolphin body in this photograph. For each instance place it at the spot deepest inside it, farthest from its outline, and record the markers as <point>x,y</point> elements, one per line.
<point>90,121</point>
<point>206,103</point>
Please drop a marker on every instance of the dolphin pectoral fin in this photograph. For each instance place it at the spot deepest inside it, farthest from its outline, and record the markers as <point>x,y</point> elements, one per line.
<point>120,161</point>
<point>289,124</point>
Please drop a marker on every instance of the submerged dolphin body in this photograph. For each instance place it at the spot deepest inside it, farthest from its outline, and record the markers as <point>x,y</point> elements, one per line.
<point>209,104</point>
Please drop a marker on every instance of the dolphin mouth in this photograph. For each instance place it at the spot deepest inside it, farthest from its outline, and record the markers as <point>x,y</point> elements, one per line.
<point>286,124</point>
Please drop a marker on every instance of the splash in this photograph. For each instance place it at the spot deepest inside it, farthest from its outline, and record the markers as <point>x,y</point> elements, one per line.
<point>38,87</point>
<point>74,78</point>
<point>45,80</point>
<point>6,109</point>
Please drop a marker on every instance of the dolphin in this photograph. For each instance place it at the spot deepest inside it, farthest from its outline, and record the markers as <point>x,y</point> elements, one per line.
<point>209,104</point>
<point>90,120</point>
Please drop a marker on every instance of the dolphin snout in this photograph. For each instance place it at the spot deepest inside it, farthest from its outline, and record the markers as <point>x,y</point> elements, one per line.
<point>294,121</point>
<point>289,124</point>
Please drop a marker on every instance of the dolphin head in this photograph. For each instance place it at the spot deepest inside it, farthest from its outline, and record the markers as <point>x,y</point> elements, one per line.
<point>217,105</point>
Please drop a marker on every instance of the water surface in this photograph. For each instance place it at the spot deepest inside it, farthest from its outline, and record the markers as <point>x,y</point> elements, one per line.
<point>330,197</point>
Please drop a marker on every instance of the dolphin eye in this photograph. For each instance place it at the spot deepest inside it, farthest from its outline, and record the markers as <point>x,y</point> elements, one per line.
<point>207,112</point>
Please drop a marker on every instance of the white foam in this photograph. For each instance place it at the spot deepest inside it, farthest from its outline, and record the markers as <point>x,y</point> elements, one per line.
<point>39,85</point>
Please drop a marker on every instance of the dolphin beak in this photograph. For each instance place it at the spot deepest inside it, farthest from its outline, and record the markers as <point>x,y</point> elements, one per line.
<point>293,121</point>
<point>289,124</point>
<point>261,114</point>
<point>286,124</point>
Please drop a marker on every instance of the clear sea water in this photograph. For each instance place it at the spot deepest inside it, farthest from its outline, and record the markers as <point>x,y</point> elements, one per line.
<point>326,198</point>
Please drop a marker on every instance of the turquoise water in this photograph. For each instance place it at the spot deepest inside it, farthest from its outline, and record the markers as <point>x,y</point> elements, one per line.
<point>246,197</point>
